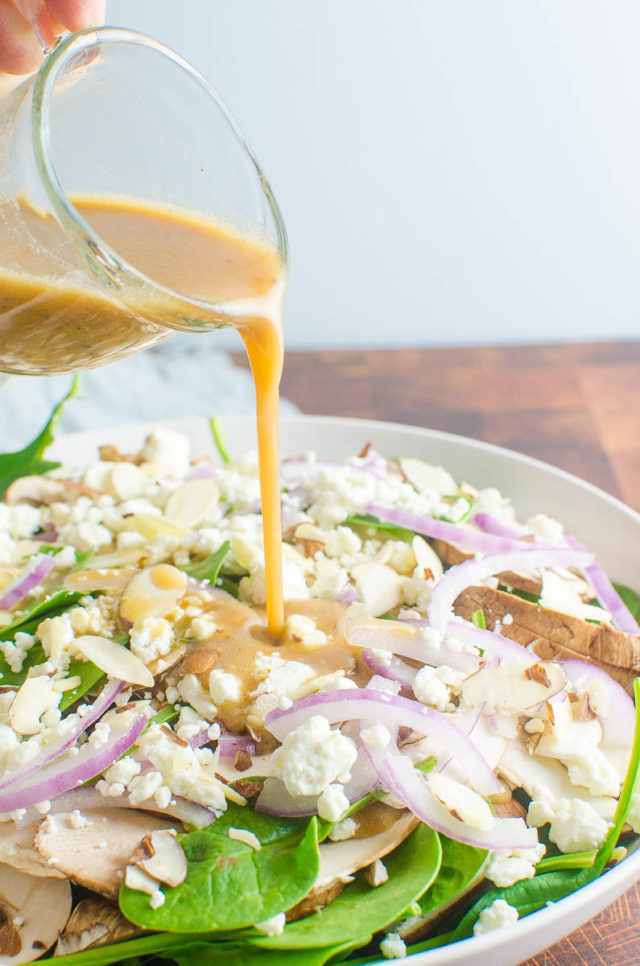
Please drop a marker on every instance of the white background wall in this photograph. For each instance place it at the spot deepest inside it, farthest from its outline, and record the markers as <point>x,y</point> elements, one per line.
<point>450,171</point>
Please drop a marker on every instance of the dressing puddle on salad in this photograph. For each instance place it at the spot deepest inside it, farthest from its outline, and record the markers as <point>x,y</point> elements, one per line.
<point>431,736</point>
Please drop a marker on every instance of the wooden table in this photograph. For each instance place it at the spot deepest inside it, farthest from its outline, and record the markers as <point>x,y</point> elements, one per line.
<point>576,406</point>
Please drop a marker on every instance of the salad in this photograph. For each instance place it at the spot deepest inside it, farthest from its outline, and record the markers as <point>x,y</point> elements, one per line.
<point>443,740</point>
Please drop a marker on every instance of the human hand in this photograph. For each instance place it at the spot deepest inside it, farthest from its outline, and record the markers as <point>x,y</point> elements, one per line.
<point>28,25</point>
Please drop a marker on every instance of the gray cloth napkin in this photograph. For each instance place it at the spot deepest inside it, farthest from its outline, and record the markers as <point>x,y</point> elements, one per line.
<point>183,377</point>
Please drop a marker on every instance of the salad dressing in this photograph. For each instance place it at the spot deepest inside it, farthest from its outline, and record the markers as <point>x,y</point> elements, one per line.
<point>51,326</point>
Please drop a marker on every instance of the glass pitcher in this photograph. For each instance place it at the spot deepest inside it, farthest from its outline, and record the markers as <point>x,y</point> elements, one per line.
<point>115,114</point>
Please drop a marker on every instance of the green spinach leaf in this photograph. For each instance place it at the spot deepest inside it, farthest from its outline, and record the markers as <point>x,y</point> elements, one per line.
<point>89,675</point>
<point>361,910</point>
<point>460,868</point>
<point>210,568</point>
<point>29,461</point>
<point>57,603</point>
<point>369,520</point>
<point>241,955</point>
<point>216,432</point>
<point>229,884</point>
<point>630,598</point>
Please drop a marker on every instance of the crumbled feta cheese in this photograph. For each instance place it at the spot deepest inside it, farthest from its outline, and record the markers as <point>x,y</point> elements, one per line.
<point>273,926</point>
<point>575,825</point>
<point>434,686</point>
<point>313,756</point>
<point>157,899</point>
<point>332,803</point>
<point>202,627</point>
<point>505,868</point>
<point>151,638</point>
<point>14,652</point>
<point>376,736</point>
<point>343,830</point>
<point>393,946</point>
<point>299,629</point>
<point>224,687</point>
<point>169,451</point>
<point>495,916</point>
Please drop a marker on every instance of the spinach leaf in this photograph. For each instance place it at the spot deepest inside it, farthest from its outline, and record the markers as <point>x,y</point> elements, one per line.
<point>460,867</point>
<point>216,432</point>
<point>479,620</point>
<point>89,675</point>
<point>369,520</point>
<point>325,826</point>
<point>360,910</point>
<point>57,603</point>
<point>229,884</point>
<point>630,598</point>
<point>29,461</point>
<point>209,568</point>
<point>241,955</point>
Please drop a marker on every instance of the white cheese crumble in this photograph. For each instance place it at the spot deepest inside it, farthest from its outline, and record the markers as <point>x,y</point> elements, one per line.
<point>495,916</point>
<point>505,868</point>
<point>393,946</point>
<point>273,926</point>
<point>575,825</point>
<point>332,802</point>
<point>313,756</point>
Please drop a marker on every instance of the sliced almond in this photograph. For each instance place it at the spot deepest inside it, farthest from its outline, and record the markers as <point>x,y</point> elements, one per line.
<point>34,697</point>
<point>153,592</point>
<point>125,481</point>
<point>461,801</point>
<point>114,659</point>
<point>379,586</point>
<point>151,526</point>
<point>191,502</point>
<point>166,862</point>
<point>428,478</point>
<point>36,490</point>
<point>86,581</point>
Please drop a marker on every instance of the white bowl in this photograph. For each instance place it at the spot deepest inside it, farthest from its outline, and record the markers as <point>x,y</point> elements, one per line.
<point>603,523</point>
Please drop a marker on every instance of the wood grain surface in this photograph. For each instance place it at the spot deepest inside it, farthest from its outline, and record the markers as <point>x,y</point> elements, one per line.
<point>576,406</point>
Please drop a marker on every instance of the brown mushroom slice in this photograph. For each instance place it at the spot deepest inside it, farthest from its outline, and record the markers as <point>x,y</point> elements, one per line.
<point>96,855</point>
<point>160,855</point>
<point>33,912</point>
<point>532,624</point>
<point>339,860</point>
<point>16,850</point>
<point>94,922</point>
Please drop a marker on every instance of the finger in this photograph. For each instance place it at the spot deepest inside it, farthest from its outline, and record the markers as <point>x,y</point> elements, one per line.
<point>50,28</point>
<point>20,51</point>
<point>77,14</point>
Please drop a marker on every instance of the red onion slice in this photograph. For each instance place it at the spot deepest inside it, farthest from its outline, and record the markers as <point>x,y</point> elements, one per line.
<point>404,638</point>
<point>617,723</point>
<point>490,524</point>
<point>393,668</point>
<point>48,754</point>
<point>495,646</point>
<point>607,594</point>
<point>229,745</point>
<point>67,773</point>
<point>461,576</point>
<point>32,576</point>
<point>398,776</point>
<point>394,711</point>
<point>459,534</point>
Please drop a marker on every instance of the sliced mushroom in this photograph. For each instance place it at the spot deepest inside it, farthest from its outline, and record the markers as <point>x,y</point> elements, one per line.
<point>36,490</point>
<point>96,855</point>
<point>94,922</point>
<point>33,912</point>
<point>160,855</point>
<point>339,861</point>
<point>16,850</point>
<point>550,632</point>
